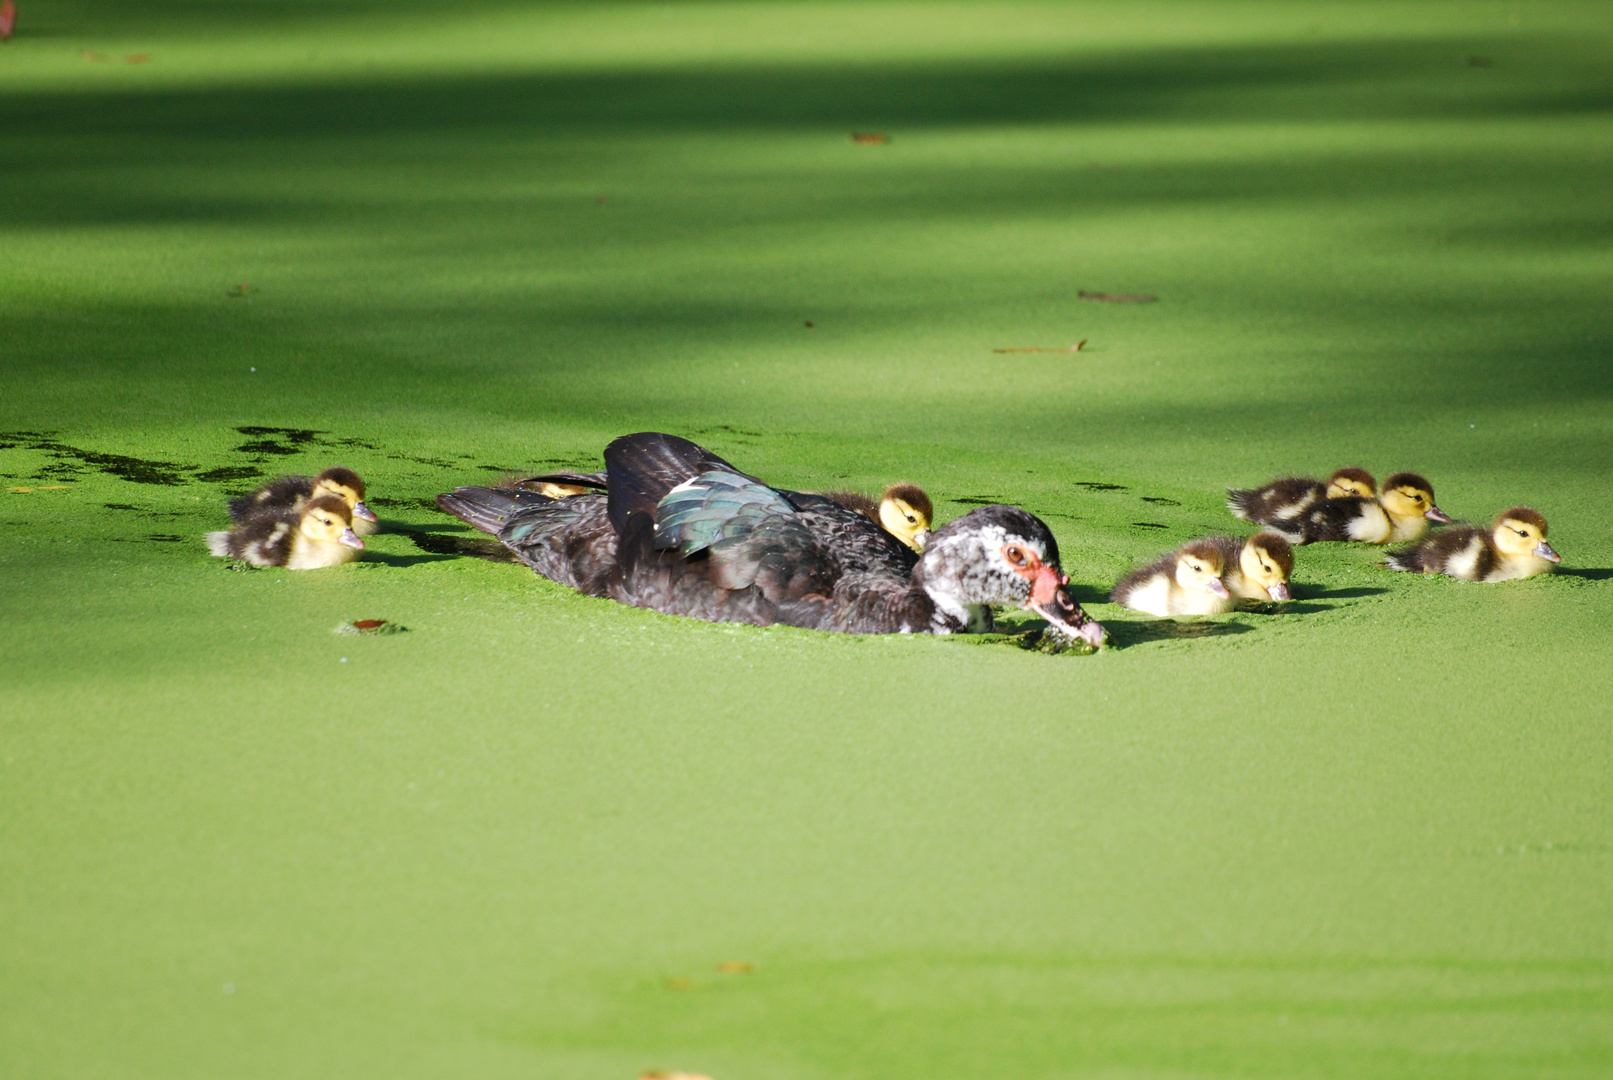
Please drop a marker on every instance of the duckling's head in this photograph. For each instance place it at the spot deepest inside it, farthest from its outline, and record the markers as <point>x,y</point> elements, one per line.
<point>1407,495</point>
<point>905,512</point>
<point>345,485</point>
<point>1267,560</point>
<point>1351,481</point>
<point>1522,531</point>
<point>327,520</point>
<point>1199,566</point>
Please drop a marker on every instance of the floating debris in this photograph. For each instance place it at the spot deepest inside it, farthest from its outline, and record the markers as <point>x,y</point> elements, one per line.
<point>1118,297</point>
<point>371,627</point>
<point>870,138</point>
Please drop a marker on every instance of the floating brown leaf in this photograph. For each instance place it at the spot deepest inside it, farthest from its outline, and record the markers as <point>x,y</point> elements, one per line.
<point>870,138</point>
<point>8,19</point>
<point>810,324</point>
<point>1118,297</point>
<point>137,58</point>
<point>736,967</point>
<point>1077,347</point>
<point>236,290</point>
<point>670,1074</point>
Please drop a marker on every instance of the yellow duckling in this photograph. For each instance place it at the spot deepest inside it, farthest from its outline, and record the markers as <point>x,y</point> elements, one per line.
<point>292,492</point>
<point>1399,515</point>
<point>1514,547</point>
<point>317,535</point>
<point>1288,498</point>
<point>1257,568</point>
<point>903,510</point>
<point>1185,582</point>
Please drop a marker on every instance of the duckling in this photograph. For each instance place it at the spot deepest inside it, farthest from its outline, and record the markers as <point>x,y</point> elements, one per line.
<point>903,510</point>
<point>1515,547</point>
<point>291,492</point>
<point>1287,499</point>
<point>316,535</point>
<point>1185,582</point>
<point>1257,568</point>
<point>1400,514</point>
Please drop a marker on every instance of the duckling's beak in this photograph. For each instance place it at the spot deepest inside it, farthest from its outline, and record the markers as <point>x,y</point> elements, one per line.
<point>1065,615</point>
<point>1278,591</point>
<point>1217,587</point>
<point>1543,551</point>
<point>1434,513</point>
<point>362,511</point>
<point>351,539</point>
<point>920,538</point>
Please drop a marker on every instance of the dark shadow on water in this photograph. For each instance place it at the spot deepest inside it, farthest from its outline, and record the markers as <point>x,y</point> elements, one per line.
<point>1125,634</point>
<point>404,560</point>
<point>1312,592</point>
<point>448,545</point>
<point>1588,575</point>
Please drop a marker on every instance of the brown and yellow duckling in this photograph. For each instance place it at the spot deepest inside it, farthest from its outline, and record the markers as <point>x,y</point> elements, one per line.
<point>1186,581</point>
<point>316,535</point>
<point>1257,568</point>
<point>288,493</point>
<point>1514,547</point>
<point>903,510</point>
<point>1401,513</point>
<point>1288,498</point>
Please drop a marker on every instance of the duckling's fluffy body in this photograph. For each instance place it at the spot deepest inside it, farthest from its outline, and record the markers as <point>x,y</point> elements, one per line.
<point>1257,568</point>
<point>292,493</point>
<point>1186,581</point>
<point>1398,515</point>
<point>315,536</point>
<point>903,510</point>
<point>1288,498</point>
<point>1514,547</point>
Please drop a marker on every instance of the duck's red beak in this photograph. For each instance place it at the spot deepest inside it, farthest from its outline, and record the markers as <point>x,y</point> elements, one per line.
<point>1064,615</point>
<point>351,539</point>
<point>1544,550</point>
<point>364,512</point>
<point>1434,513</point>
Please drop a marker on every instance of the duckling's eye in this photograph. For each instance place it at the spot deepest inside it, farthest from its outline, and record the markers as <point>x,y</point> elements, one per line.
<point>1015,555</point>
<point>1522,532</point>
<point>911,520</point>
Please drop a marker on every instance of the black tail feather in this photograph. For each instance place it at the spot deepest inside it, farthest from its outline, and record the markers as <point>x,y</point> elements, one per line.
<point>489,509</point>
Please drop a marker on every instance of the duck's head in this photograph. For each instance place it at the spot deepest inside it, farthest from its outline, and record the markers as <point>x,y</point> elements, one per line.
<point>1199,566</point>
<point>1407,495</point>
<point>1351,481</point>
<point>1000,556</point>
<point>1268,560</point>
<point>327,520</point>
<point>1522,531</point>
<point>346,485</point>
<point>905,512</point>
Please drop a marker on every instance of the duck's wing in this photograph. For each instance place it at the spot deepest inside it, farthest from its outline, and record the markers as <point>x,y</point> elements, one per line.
<point>751,535</point>
<point>641,469</point>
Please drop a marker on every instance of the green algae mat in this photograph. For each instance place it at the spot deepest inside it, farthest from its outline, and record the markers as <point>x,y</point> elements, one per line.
<point>533,834</point>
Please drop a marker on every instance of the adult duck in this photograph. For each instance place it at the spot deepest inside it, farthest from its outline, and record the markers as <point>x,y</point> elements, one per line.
<point>682,531</point>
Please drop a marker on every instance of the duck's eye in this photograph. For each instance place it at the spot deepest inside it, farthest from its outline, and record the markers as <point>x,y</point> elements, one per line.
<point>1522,532</point>
<point>911,520</point>
<point>1015,555</point>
